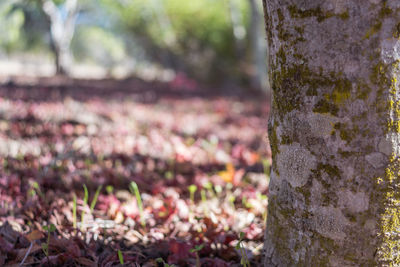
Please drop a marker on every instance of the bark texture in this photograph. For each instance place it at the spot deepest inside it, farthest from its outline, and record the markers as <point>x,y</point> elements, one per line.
<point>334,133</point>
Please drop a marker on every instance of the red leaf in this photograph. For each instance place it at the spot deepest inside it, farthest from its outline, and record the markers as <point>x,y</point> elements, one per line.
<point>180,251</point>
<point>5,246</point>
<point>208,262</point>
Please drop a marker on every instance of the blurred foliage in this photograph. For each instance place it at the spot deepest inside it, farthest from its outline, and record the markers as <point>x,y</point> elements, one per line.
<point>11,22</point>
<point>86,48</point>
<point>193,36</point>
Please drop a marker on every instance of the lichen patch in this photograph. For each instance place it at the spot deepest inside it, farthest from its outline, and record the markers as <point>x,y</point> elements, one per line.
<point>376,159</point>
<point>295,164</point>
<point>355,202</point>
<point>330,222</point>
<point>385,146</point>
<point>337,6</point>
<point>321,124</point>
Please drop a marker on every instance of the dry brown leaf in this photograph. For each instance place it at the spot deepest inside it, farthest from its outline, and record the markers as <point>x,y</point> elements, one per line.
<point>34,235</point>
<point>22,252</point>
<point>85,261</point>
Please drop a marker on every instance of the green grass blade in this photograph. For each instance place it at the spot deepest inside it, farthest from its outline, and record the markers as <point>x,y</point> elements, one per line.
<point>135,190</point>
<point>86,197</point>
<point>120,257</point>
<point>96,195</point>
<point>85,202</point>
<point>74,212</point>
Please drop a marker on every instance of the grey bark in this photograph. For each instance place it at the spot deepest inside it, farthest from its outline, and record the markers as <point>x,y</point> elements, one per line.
<point>62,30</point>
<point>334,131</point>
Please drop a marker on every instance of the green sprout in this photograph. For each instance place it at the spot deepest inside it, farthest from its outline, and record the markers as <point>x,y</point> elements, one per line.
<point>160,260</point>
<point>109,189</point>
<point>36,187</point>
<point>169,175</point>
<point>246,203</point>
<point>239,246</point>
<point>195,250</point>
<point>85,201</point>
<point>192,190</point>
<point>94,200</point>
<point>209,187</point>
<point>74,212</point>
<point>135,191</point>
<point>204,201</point>
<point>120,257</point>
<point>232,200</point>
<point>85,204</point>
<point>218,189</point>
<point>45,246</point>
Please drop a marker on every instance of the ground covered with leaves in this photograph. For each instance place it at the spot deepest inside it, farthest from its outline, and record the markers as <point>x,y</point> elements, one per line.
<point>134,173</point>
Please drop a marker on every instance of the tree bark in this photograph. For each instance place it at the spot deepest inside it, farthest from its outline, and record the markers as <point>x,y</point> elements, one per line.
<point>61,32</point>
<point>334,132</point>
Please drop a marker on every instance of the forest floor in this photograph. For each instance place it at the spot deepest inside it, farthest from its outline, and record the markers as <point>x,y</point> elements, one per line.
<point>133,173</point>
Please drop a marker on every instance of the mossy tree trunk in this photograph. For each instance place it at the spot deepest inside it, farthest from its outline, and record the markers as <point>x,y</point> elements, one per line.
<point>334,132</point>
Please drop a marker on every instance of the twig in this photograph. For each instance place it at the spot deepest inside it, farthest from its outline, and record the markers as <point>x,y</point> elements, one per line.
<point>26,254</point>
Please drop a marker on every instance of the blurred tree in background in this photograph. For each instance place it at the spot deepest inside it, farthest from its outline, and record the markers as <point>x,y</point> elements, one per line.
<point>209,40</point>
<point>61,16</point>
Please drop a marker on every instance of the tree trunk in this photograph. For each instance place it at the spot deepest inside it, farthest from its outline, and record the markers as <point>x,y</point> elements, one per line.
<point>335,133</point>
<point>62,28</point>
<point>62,57</point>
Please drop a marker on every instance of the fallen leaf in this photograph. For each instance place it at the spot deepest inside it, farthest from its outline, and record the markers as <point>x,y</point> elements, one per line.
<point>85,262</point>
<point>34,235</point>
<point>228,174</point>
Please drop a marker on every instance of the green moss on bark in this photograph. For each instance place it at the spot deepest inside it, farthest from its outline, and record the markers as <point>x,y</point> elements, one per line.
<point>388,184</point>
<point>384,12</point>
<point>390,220</point>
<point>373,30</point>
<point>317,12</point>
<point>341,91</point>
<point>274,143</point>
<point>289,82</point>
<point>286,140</point>
<point>345,133</point>
<point>305,191</point>
<point>363,91</point>
<point>324,106</point>
<point>396,31</point>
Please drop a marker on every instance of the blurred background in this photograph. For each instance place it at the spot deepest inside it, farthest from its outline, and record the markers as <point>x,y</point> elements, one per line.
<point>153,111</point>
<point>211,41</point>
